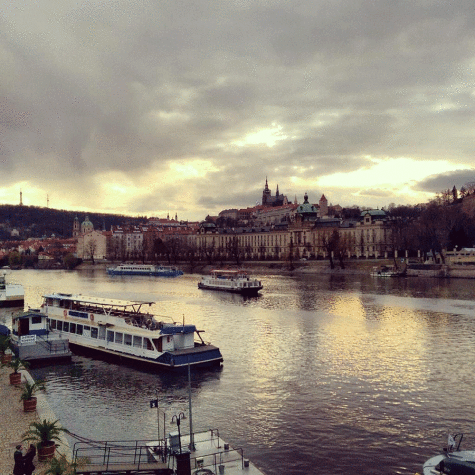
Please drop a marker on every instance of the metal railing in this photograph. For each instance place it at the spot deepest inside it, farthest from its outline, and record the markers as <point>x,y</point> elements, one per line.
<point>52,346</point>
<point>117,453</point>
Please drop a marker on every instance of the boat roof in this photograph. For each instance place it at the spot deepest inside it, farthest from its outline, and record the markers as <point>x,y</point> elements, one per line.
<point>98,300</point>
<point>229,271</point>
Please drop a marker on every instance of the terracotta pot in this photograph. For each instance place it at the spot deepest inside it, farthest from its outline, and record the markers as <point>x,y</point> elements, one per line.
<point>6,358</point>
<point>15,378</point>
<point>46,452</point>
<point>29,405</point>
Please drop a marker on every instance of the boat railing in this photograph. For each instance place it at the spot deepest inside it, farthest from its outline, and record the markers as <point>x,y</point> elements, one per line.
<point>52,346</point>
<point>216,460</point>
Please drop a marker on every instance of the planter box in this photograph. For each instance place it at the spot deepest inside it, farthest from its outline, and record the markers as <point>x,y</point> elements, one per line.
<point>15,378</point>
<point>46,452</point>
<point>29,405</point>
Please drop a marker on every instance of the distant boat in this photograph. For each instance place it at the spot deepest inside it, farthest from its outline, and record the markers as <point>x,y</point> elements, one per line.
<point>388,271</point>
<point>145,269</point>
<point>229,280</point>
<point>11,295</point>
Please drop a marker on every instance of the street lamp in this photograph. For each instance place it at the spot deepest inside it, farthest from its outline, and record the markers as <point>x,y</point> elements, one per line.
<point>178,419</point>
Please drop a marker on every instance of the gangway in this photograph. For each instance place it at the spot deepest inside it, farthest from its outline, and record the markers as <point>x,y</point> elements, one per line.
<point>121,457</point>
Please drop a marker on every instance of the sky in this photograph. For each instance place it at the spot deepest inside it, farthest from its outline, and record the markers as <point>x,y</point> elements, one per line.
<point>146,108</point>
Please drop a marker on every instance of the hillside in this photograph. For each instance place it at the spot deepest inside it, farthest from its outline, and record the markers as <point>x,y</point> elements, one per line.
<point>34,221</point>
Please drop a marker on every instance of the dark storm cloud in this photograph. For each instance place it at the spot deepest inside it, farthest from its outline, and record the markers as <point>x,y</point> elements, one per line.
<point>444,181</point>
<point>90,88</point>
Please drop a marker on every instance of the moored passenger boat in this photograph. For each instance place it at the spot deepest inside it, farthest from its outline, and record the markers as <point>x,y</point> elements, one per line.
<point>145,269</point>
<point>453,461</point>
<point>11,295</point>
<point>229,280</point>
<point>120,328</point>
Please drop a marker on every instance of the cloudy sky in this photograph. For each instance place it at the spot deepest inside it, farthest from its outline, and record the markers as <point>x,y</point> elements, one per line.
<point>149,107</point>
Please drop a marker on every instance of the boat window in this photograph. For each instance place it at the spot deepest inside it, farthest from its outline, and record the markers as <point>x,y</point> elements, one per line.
<point>94,332</point>
<point>148,343</point>
<point>119,337</point>
<point>60,325</point>
<point>36,319</point>
<point>137,341</point>
<point>72,328</point>
<point>52,324</point>
<point>158,344</point>
<point>65,326</point>
<point>110,335</point>
<point>79,329</point>
<point>128,339</point>
<point>87,328</point>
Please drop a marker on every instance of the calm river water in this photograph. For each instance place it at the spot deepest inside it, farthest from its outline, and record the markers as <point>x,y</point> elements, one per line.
<point>322,374</point>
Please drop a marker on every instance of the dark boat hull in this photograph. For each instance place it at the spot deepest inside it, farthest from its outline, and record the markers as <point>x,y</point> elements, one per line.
<point>173,361</point>
<point>20,302</point>
<point>248,291</point>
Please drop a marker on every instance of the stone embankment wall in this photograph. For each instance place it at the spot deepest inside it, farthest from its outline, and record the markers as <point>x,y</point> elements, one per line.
<point>354,266</point>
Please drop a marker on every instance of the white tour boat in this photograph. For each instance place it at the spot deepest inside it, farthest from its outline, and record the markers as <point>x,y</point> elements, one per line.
<point>11,295</point>
<point>453,461</point>
<point>119,328</point>
<point>236,281</point>
<point>145,269</point>
<point>388,271</point>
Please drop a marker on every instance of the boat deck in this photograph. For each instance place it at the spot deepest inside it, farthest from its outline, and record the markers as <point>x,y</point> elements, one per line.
<point>213,456</point>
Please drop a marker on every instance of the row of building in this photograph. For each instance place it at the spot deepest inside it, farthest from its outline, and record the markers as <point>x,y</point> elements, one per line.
<point>278,232</point>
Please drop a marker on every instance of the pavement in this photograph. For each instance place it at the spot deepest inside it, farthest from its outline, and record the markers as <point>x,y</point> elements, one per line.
<point>15,422</point>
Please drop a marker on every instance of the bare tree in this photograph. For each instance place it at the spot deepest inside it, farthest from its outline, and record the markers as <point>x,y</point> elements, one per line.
<point>234,249</point>
<point>90,249</point>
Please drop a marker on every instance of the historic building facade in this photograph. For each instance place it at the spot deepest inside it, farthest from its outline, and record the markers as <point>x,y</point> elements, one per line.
<point>306,236</point>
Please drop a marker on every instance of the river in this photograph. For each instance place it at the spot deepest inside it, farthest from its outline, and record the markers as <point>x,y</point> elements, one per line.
<point>322,374</point>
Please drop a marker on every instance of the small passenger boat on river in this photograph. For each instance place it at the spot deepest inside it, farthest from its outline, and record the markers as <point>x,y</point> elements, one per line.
<point>121,329</point>
<point>145,269</point>
<point>230,280</point>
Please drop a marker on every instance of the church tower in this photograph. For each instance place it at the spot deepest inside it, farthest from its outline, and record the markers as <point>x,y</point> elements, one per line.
<point>76,227</point>
<point>323,203</point>
<point>266,194</point>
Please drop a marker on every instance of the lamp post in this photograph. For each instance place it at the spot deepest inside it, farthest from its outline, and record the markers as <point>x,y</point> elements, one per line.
<point>178,418</point>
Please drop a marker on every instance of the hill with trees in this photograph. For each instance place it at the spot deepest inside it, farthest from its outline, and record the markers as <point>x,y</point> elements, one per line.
<point>38,222</point>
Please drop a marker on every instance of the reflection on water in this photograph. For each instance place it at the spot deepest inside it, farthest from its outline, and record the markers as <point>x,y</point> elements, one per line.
<point>350,374</point>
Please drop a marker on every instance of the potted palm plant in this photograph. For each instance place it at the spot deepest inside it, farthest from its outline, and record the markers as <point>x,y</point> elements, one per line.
<point>27,394</point>
<point>44,433</point>
<point>5,349</point>
<point>16,364</point>
<point>62,466</point>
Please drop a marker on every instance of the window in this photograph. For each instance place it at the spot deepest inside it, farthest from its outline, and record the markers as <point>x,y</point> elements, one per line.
<point>65,326</point>
<point>79,329</point>
<point>94,332</point>
<point>137,341</point>
<point>128,340</point>
<point>119,337</point>
<point>59,325</point>
<point>52,324</point>
<point>72,328</point>
<point>87,328</point>
<point>110,336</point>
<point>35,319</point>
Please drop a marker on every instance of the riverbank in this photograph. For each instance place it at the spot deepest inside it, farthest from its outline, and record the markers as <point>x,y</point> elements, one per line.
<point>351,267</point>
<point>15,422</point>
